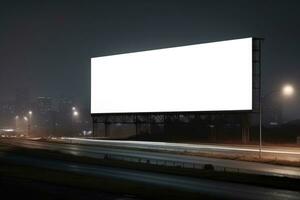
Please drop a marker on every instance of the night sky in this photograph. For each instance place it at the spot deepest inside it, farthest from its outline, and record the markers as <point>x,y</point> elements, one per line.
<point>47,45</point>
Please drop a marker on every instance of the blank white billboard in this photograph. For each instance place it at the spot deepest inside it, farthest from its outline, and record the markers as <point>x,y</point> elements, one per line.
<point>214,76</point>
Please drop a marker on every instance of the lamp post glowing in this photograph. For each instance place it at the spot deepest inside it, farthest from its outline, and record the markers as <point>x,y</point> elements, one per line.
<point>26,120</point>
<point>16,120</point>
<point>29,122</point>
<point>75,114</point>
<point>287,91</point>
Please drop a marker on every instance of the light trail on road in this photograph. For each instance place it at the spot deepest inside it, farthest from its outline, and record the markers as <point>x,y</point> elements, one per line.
<point>161,157</point>
<point>215,189</point>
<point>167,145</point>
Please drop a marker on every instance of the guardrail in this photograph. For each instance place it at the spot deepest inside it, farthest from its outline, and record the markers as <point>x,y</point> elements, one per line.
<point>188,164</point>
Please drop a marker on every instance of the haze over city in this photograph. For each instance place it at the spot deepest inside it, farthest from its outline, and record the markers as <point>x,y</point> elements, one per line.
<point>152,99</point>
<point>46,46</point>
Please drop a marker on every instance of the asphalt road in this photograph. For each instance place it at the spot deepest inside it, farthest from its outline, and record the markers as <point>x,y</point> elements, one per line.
<point>279,152</point>
<point>160,157</point>
<point>208,187</point>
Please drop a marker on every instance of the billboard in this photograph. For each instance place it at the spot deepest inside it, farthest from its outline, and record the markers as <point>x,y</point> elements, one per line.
<point>213,76</point>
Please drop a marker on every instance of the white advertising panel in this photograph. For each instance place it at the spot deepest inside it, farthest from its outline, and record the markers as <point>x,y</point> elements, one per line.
<point>213,76</point>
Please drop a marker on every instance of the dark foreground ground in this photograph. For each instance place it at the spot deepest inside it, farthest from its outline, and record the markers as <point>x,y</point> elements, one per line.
<point>18,188</point>
<point>41,174</point>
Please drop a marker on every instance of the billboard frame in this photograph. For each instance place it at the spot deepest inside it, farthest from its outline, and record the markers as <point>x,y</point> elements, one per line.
<point>104,118</point>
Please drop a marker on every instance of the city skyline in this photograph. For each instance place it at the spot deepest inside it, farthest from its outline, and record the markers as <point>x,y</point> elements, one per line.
<point>139,99</point>
<point>46,115</point>
<point>48,46</point>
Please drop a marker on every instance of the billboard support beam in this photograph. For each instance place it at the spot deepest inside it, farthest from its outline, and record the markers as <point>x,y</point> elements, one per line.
<point>106,126</point>
<point>93,125</point>
<point>153,118</point>
<point>245,128</point>
<point>136,125</point>
<point>257,43</point>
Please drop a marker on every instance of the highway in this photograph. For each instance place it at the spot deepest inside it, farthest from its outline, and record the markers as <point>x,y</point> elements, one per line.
<point>162,158</point>
<point>278,152</point>
<point>215,189</point>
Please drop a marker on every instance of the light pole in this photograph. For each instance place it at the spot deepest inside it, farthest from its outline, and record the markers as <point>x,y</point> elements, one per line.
<point>75,114</point>
<point>16,120</point>
<point>29,122</point>
<point>26,120</point>
<point>287,91</point>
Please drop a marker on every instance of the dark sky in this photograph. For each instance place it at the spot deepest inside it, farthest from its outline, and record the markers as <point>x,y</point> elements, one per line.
<point>47,45</point>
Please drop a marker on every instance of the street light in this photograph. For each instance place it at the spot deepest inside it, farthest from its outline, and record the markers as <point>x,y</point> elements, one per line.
<point>75,113</point>
<point>287,91</point>
<point>16,118</point>
<point>29,123</point>
<point>26,120</point>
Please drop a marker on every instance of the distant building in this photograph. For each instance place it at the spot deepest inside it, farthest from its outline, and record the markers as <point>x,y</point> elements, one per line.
<point>7,114</point>
<point>22,101</point>
<point>42,117</point>
<point>65,105</point>
<point>44,105</point>
<point>8,107</point>
<point>64,115</point>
